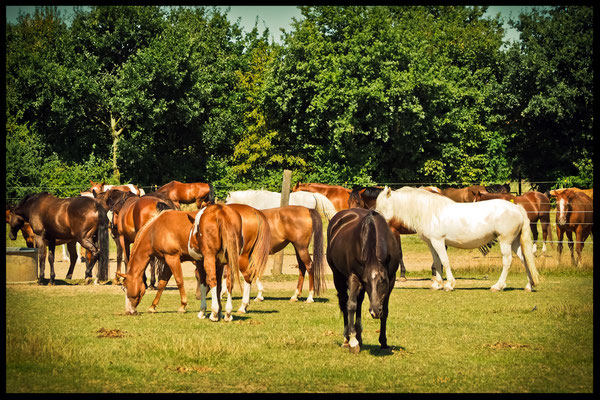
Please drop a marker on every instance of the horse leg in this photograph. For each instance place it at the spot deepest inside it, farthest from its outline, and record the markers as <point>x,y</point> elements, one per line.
<point>559,237</point>
<point>506,250</point>
<point>174,263</point>
<point>119,243</point>
<point>229,287</point>
<point>51,248</point>
<point>571,246</point>
<point>341,286</point>
<point>201,288</point>
<point>534,231</point>
<point>210,268</point>
<point>383,319</point>
<point>402,267</point>
<point>162,283</point>
<point>440,247</point>
<point>88,244</point>
<point>243,263</point>
<point>260,287</point>
<point>298,290</point>
<point>516,247</point>
<point>65,255</point>
<point>305,264</point>
<point>72,247</point>
<point>41,258</point>
<point>579,245</point>
<point>354,290</point>
<point>435,268</point>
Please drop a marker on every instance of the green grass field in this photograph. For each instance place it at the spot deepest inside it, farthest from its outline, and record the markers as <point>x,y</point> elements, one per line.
<point>76,338</point>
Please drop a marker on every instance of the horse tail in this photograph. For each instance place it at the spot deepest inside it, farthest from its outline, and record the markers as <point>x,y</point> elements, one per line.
<point>324,206</point>
<point>261,248</point>
<point>318,264</point>
<point>527,247</point>
<point>102,235</point>
<point>162,206</point>
<point>211,193</point>
<point>368,241</point>
<point>232,245</point>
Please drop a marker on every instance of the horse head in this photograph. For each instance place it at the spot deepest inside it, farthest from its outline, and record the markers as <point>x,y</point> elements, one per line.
<point>563,205</point>
<point>384,203</point>
<point>15,221</point>
<point>134,289</point>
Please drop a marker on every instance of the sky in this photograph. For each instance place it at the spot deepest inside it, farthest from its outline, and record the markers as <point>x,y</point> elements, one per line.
<point>276,17</point>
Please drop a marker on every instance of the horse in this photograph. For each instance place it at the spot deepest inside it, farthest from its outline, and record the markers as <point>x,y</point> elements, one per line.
<point>498,188</point>
<point>164,236</point>
<point>99,187</point>
<point>441,222</point>
<point>463,195</point>
<point>26,230</point>
<point>296,225</point>
<point>574,213</point>
<point>537,206</point>
<point>130,214</point>
<point>338,195</point>
<point>253,259</point>
<point>364,256</point>
<point>187,193</point>
<point>74,218</point>
<point>588,192</point>
<point>215,241</point>
<point>263,199</point>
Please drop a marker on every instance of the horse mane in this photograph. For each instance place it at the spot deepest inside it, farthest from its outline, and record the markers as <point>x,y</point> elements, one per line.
<point>372,192</point>
<point>368,239</point>
<point>30,197</point>
<point>418,206</point>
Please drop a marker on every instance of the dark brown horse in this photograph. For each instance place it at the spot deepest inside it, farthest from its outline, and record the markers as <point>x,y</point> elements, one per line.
<point>26,230</point>
<point>464,195</point>
<point>574,213</point>
<point>296,225</point>
<point>364,256</point>
<point>187,193</point>
<point>537,206</point>
<point>338,195</point>
<point>73,218</point>
<point>130,214</point>
<point>166,237</point>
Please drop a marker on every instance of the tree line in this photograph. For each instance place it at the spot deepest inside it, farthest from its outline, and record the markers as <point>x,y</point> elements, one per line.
<point>353,95</point>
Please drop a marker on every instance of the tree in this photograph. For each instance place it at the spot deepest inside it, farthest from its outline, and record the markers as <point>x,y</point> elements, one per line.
<point>548,93</point>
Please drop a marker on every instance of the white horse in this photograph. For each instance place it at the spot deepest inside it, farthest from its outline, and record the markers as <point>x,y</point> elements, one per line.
<point>440,221</point>
<point>263,199</point>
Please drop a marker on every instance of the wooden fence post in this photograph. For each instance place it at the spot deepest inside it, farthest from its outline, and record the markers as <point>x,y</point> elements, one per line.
<point>285,200</point>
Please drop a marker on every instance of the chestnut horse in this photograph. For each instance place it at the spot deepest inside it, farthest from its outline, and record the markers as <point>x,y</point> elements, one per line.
<point>338,195</point>
<point>296,225</point>
<point>255,252</point>
<point>73,218</point>
<point>130,214</point>
<point>574,213</point>
<point>464,195</point>
<point>537,206</point>
<point>215,240</point>
<point>364,256</point>
<point>164,236</point>
<point>588,192</point>
<point>187,193</point>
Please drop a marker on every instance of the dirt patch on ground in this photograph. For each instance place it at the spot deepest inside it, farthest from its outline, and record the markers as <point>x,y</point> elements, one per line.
<point>110,333</point>
<point>507,345</point>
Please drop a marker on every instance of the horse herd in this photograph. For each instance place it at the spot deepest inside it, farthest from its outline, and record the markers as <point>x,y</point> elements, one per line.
<point>364,249</point>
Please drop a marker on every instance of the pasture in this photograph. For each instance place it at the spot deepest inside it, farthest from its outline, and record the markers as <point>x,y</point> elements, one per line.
<point>77,338</point>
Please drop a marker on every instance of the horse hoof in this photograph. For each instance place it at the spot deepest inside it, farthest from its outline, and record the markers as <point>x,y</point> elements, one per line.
<point>495,289</point>
<point>201,315</point>
<point>402,279</point>
<point>228,318</point>
<point>294,299</point>
<point>181,310</point>
<point>152,310</point>
<point>52,282</point>
<point>259,298</point>
<point>345,344</point>
<point>88,281</point>
<point>214,317</point>
<point>355,349</point>
<point>310,300</point>
<point>69,277</point>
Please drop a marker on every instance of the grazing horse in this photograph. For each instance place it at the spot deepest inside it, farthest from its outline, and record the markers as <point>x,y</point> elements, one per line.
<point>441,222</point>
<point>338,195</point>
<point>574,213</point>
<point>363,255</point>
<point>73,218</point>
<point>130,214</point>
<point>187,193</point>
<point>99,187</point>
<point>463,195</point>
<point>26,230</point>
<point>164,236</point>
<point>296,225</point>
<point>537,206</point>
<point>588,192</point>
<point>263,199</point>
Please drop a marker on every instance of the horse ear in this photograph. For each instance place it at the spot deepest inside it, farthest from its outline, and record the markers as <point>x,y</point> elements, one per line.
<point>387,191</point>
<point>192,219</point>
<point>94,193</point>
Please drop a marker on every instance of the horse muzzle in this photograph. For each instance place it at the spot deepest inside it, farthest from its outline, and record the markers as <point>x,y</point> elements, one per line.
<point>376,312</point>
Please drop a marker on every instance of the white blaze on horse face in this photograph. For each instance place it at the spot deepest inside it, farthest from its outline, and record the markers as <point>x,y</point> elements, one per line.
<point>562,214</point>
<point>191,251</point>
